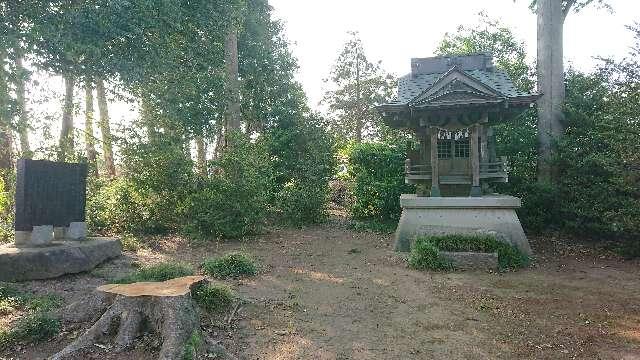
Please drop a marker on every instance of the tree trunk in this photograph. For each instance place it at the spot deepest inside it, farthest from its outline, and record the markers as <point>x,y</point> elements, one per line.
<point>166,306</point>
<point>89,139</point>
<point>105,129</point>
<point>233,115</point>
<point>550,85</point>
<point>359,114</point>
<point>6,138</point>
<point>201,155</point>
<point>219,144</point>
<point>23,118</point>
<point>66,142</point>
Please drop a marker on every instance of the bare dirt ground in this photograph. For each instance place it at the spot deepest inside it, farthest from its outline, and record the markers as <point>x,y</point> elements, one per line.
<point>327,292</point>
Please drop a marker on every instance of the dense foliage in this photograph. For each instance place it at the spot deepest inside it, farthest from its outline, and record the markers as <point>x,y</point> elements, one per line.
<point>597,192</point>
<point>377,174</point>
<point>6,214</point>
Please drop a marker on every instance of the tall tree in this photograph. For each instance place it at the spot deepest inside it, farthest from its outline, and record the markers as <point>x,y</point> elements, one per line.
<point>66,141</point>
<point>491,36</point>
<point>89,138</point>
<point>233,83</point>
<point>105,129</point>
<point>6,136</point>
<point>21,104</point>
<point>358,85</point>
<point>515,138</point>
<point>551,125</point>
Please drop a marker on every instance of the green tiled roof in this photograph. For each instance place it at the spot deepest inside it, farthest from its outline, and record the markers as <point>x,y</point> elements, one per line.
<point>410,86</point>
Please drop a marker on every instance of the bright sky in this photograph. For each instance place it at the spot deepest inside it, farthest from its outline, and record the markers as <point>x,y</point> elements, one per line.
<point>394,31</point>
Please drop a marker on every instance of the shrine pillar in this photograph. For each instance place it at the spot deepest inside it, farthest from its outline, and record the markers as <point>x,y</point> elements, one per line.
<point>435,178</point>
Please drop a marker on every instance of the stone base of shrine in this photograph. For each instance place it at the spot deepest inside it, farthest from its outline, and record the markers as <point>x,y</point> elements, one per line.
<point>57,259</point>
<point>488,215</point>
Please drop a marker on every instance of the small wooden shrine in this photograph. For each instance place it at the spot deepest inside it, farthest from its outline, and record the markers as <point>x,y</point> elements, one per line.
<point>451,103</point>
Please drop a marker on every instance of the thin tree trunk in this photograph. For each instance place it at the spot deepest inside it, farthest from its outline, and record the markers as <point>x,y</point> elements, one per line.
<point>359,114</point>
<point>6,137</point>
<point>89,138</point>
<point>105,129</point>
<point>550,85</point>
<point>233,115</point>
<point>66,142</point>
<point>23,116</point>
<point>201,155</point>
<point>219,144</point>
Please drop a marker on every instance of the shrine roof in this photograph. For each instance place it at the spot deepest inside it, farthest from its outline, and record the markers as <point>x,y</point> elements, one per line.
<point>427,71</point>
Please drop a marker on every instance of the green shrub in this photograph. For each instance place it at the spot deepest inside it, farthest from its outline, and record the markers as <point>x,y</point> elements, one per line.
<point>235,264</point>
<point>159,272</point>
<point>6,213</point>
<point>233,202</point>
<point>213,297</point>
<point>120,206</point>
<point>377,172</point>
<point>303,162</point>
<point>424,254</point>
<point>301,203</point>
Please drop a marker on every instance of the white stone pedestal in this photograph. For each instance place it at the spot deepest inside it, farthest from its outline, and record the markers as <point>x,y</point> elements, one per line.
<point>494,215</point>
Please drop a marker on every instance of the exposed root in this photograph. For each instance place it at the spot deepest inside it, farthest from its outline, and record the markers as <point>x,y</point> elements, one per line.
<point>174,317</point>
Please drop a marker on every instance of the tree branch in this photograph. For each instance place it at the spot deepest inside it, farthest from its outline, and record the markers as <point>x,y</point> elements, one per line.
<point>567,7</point>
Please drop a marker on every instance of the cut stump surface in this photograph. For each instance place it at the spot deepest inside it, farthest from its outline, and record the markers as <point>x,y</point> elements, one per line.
<point>174,287</point>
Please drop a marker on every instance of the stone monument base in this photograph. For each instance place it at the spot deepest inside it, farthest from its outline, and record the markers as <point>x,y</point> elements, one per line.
<point>60,258</point>
<point>493,215</point>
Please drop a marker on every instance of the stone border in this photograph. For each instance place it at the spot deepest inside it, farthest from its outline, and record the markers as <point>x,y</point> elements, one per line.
<point>61,258</point>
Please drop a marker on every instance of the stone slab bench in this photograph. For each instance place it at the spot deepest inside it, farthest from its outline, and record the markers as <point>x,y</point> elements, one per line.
<point>60,258</point>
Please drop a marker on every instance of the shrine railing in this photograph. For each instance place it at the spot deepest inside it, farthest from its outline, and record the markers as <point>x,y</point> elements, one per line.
<point>489,171</point>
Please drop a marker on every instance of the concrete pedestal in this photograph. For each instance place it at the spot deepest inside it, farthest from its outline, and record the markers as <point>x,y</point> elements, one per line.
<point>492,215</point>
<point>60,258</point>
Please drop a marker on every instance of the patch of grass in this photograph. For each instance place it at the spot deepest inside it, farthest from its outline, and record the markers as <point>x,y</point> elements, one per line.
<point>156,273</point>
<point>213,297</point>
<point>43,303</point>
<point>234,264</point>
<point>425,256</point>
<point>36,327</point>
<point>12,299</point>
<point>191,348</point>
<point>37,324</point>
<point>376,226</point>
<point>425,252</point>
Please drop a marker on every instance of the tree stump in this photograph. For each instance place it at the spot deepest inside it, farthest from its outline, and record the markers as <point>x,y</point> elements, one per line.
<point>167,306</point>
